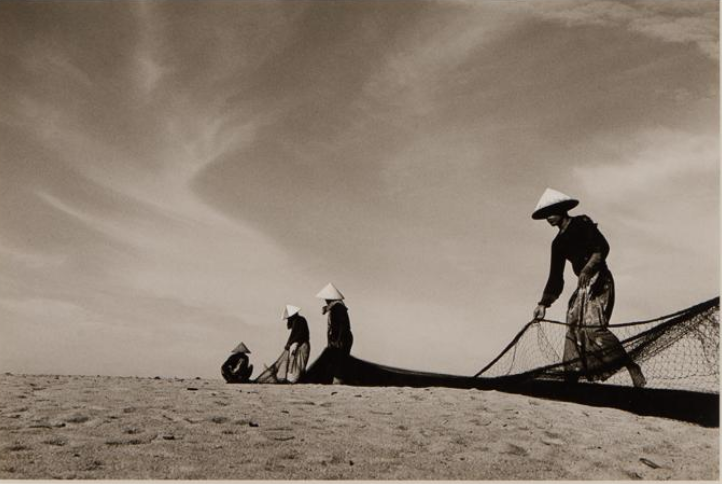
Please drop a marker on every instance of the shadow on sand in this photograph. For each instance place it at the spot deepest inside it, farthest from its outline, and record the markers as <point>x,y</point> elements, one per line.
<point>694,407</point>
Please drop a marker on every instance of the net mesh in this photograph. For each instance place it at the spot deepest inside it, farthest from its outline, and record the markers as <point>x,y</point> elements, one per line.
<point>679,351</point>
<point>277,372</point>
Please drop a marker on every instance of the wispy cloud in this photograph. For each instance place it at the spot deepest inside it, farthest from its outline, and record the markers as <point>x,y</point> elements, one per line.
<point>675,22</point>
<point>44,308</point>
<point>33,260</point>
<point>435,48</point>
<point>658,159</point>
<point>148,69</point>
<point>51,61</point>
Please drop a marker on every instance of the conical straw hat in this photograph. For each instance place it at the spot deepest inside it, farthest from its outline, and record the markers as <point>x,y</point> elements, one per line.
<point>289,311</point>
<point>330,292</point>
<point>241,348</point>
<point>552,202</point>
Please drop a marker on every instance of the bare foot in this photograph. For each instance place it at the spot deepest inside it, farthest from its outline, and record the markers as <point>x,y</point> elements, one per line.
<point>638,379</point>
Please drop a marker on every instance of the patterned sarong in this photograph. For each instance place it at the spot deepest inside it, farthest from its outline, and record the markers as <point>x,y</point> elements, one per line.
<point>287,368</point>
<point>590,349</point>
<point>297,362</point>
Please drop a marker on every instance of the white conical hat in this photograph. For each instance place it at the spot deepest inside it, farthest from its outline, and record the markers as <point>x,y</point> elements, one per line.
<point>241,348</point>
<point>289,311</point>
<point>551,202</point>
<point>330,292</point>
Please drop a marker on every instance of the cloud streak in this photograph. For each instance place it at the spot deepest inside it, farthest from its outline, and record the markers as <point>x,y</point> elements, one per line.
<point>675,22</point>
<point>661,158</point>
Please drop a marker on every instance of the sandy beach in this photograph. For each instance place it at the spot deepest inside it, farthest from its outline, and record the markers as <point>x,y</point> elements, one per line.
<point>80,427</point>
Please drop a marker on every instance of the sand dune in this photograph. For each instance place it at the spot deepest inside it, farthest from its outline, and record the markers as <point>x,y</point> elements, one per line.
<point>145,428</point>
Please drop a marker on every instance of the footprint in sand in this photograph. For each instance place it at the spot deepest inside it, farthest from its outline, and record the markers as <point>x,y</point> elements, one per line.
<point>93,466</point>
<point>146,439</point>
<point>479,422</point>
<point>552,438</point>
<point>550,441</point>
<point>77,419</point>
<point>56,441</point>
<point>514,449</point>
<point>46,425</point>
<point>17,447</point>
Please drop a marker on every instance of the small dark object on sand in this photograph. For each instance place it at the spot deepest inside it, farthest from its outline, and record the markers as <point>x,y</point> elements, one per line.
<point>649,463</point>
<point>192,389</point>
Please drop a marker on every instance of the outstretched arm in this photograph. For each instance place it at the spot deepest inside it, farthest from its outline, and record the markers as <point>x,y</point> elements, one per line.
<point>555,281</point>
<point>554,285</point>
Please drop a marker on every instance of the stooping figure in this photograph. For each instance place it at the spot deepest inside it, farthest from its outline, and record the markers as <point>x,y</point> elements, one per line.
<point>236,368</point>
<point>589,347</point>
<point>339,327</point>
<point>298,344</point>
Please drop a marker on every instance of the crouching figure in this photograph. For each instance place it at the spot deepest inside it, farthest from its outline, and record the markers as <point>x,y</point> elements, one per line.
<point>236,368</point>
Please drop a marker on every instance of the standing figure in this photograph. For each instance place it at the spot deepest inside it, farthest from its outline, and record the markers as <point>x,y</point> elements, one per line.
<point>589,347</point>
<point>339,326</point>
<point>236,368</point>
<point>298,344</point>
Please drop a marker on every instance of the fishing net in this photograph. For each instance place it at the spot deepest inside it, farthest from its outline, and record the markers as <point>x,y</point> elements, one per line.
<point>679,351</point>
<point>277,372</point>
<point>678,354</point>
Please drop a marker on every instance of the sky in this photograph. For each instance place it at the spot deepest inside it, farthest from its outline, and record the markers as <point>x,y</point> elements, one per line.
<point>173,173</point>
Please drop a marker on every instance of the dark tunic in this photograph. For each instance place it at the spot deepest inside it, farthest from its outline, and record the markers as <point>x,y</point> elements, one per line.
<point>576,244</point>
<point>339,327</point>
<point>299,331</point>
<point>236,368</point>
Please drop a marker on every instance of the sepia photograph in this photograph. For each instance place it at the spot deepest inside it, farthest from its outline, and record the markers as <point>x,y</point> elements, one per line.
<point>359,240</point>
